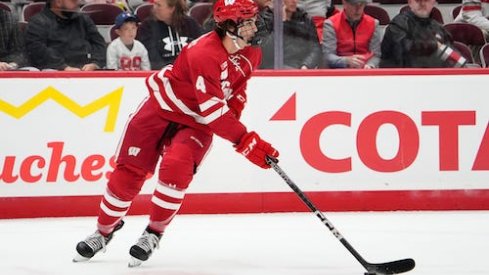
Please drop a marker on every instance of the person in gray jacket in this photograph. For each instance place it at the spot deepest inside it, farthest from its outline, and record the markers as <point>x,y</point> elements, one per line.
<point>300,41</point>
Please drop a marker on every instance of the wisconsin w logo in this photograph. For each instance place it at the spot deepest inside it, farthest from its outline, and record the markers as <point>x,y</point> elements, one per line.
<point>133,151</point>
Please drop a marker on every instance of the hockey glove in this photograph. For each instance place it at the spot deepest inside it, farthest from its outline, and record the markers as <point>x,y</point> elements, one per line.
<point>236,103</point>
<point>255,149</point>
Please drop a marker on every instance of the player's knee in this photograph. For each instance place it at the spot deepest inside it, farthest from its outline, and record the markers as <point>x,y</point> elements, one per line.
<point>177,169</point>
<point>126,181</point>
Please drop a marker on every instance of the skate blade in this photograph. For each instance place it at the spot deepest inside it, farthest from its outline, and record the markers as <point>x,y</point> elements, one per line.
<point>133,262</point>
<point>79,258</point>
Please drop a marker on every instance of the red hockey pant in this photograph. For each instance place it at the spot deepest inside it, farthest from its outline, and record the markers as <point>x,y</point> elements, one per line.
<point>147,137</point>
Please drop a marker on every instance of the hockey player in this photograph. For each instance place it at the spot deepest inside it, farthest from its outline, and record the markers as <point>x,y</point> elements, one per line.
<point>200,95</point>
<point>475,12</point>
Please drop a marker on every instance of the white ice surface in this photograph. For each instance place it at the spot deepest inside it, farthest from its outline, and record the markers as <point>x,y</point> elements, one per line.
<point>292,243</point>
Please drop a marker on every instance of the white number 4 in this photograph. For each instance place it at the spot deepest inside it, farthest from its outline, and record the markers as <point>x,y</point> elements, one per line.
<point>200,84</point>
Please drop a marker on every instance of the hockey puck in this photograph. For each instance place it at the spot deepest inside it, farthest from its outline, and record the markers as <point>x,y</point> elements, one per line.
<point>370,273</point>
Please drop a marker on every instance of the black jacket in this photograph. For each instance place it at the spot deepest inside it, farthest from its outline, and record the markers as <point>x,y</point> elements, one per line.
<point>412,42</point>
<point>11,42</point>
<point>163,42</point>
<point>55,43</point>
<point>300,44</point>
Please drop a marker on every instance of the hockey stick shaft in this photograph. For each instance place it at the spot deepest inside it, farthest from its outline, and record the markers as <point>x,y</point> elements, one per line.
<point>383,268</point>
<point>316,211</point>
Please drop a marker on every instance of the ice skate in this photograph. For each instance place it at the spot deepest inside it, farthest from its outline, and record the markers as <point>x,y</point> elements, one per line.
<point>143,249</point>
<point>93,244</point>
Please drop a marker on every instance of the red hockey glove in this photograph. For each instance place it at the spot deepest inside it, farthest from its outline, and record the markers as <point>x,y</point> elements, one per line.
<point>236,103</point>
<point>255,149</point>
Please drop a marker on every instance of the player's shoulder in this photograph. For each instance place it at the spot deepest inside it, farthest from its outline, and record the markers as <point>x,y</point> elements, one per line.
<point>206,49</point>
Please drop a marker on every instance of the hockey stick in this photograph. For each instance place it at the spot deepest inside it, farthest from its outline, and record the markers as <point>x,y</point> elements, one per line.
<point>394,267</point>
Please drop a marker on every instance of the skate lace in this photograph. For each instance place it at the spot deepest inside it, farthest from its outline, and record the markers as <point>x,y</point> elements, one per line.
<point>96,242</point>
<point>148,242</point>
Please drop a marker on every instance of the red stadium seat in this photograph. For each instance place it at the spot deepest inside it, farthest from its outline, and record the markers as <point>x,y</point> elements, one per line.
<point>112,33</point>
<point>484,56</point>
<point>466,33</point>
<point>456,11</point>
<point>102,14</point>
<point>5,6</point>
<point>144,11</point>
<point>378,13</point>
<point>32,9</point>
<point>200,12</point>
<point>464,50</point>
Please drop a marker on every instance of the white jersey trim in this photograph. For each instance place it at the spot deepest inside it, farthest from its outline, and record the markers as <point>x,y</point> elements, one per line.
<point>182,108</point>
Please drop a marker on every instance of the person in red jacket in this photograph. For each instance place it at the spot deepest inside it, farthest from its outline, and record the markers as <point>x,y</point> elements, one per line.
<point>351,38</point>
<point>198,96</point>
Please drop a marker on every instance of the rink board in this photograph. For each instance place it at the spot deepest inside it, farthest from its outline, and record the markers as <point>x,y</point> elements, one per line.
<point>353,140</point>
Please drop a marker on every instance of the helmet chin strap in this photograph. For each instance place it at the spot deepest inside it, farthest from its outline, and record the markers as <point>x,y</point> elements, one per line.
<point>235,40</point>
<point>235,36</point>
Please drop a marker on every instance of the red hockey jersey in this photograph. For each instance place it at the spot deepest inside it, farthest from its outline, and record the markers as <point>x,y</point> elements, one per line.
<point>196,89</point>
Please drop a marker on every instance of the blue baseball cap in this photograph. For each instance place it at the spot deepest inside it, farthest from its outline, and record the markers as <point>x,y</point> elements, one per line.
<point>125,17</point>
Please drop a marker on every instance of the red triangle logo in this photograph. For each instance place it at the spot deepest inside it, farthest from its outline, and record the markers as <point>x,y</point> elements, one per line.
<point>287,111</point>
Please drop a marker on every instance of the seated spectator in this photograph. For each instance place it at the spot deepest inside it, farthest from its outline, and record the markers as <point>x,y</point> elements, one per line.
<point>414,40</point>
<point>322,8</point>
<point>300,42</point>
<point>11,43</point>
<point>61,38</point>
<point>351,38</point>
<point>125,52</point>
<point>475,12</point>
<point>319,11</point>
<point>167,31</point>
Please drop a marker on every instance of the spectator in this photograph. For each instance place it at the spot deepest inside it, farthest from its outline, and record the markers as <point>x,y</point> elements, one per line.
<point>300,42</point>
<point>475,12</point>
<point>322,8</point>
<point>61,38</point>
<point>11,43</point>
<point>352,38</point>
<point>414,40</point>
<point>126,53</point>
<point>167,31</point>
<point>318,10</point>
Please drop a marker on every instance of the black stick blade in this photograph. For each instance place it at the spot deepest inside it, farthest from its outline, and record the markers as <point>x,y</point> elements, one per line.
<point>394,267</point>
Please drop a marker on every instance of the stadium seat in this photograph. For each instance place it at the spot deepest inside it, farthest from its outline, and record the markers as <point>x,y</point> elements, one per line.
<point>392,2</point>
<point>456,11</point>
<point>435,13</point>
<point>5,6</point>
<point>484,56</point>
<point>143,11</point>
<point>102,14</point>
<point>112,33</point>
<point>464,50</point>
<point>32,9</point>
<point>200,12</point>
<point>378,13</point>
<point>466,33</point>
